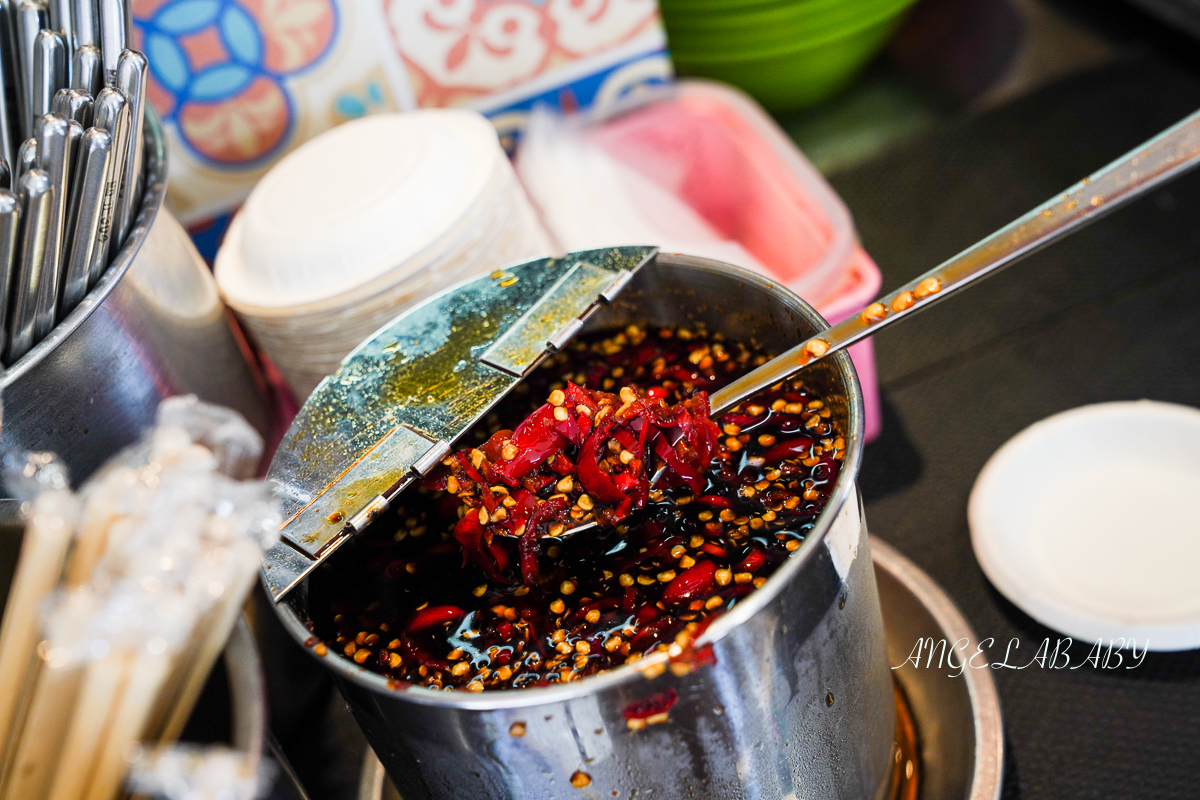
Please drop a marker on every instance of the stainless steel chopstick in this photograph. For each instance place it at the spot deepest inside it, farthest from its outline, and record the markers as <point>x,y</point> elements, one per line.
<point>6,181</point>
<point>88,196</point>
<point>114,34</point>
<point>87,70</point>
<point>112,115</point>
<point>62,20</point>
<point>54,157</point>
<point>26,159</point>
<point>131,79</point>
<point>87,24</point>
<point>73,104</point>
<point>9,80</point>
<point>49,71</point>
<point>36,194</point>
<point>31,17</point>
<point>10,220</point>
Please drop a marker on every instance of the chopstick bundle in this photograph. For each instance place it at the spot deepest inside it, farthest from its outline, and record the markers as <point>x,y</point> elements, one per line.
<point>156,554</point>
<point>66,66</point>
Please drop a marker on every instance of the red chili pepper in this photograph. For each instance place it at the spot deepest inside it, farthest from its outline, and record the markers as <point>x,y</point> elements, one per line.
<point>645,614</point>
<point>536,440</point>
<point>433,616</point>
<point>800,446</point>
<point>657,703</point>
<point>651,633</point>
<point>714,549</point>
<point>714,501</point>
<point>684,472</point>
<point>464,460</point>
<point>595,482</point>
<point>753,561</point>
<point>415,652</point>
<point>691,582</point>
<point>657,393</point>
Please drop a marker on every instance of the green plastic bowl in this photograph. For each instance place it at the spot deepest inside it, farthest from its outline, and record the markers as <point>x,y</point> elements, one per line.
<point>787,27</point>
<point>787,79</point>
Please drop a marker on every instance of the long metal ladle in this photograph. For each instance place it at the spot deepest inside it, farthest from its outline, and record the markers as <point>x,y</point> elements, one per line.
<point>1171,153</point>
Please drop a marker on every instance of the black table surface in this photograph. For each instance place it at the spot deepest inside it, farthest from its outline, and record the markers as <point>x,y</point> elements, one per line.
<point>1112,313</point>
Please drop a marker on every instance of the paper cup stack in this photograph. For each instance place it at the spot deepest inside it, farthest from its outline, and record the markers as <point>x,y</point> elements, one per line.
<point>364,220</point>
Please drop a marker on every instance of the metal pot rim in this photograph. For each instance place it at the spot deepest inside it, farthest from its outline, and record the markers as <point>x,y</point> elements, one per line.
<point>743,611</point>
<point>153,194</point>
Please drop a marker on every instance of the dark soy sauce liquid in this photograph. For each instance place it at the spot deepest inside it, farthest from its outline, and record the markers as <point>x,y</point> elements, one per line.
<point>400,601</point>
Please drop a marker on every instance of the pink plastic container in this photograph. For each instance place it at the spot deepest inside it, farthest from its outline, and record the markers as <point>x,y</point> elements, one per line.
<point>716,149</point>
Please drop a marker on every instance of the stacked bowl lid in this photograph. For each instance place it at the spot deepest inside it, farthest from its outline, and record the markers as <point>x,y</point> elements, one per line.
<point>364,220</point>
<point>787,53</point>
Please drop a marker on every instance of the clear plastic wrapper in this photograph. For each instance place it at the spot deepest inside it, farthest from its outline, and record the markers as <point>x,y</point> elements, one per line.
<point>198,773</point>
<point>164,547</point>
<point>28,474</point>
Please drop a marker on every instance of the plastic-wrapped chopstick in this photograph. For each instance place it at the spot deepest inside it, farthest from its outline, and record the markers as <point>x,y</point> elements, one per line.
<point>43,551</point>
<point>166,548</point>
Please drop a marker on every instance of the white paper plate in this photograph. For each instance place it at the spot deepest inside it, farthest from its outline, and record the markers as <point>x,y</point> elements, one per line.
<point>1089,521</point>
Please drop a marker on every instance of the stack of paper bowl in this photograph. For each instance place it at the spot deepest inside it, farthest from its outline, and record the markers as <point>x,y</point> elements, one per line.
<point>364,220</point>
<point>786,53</point>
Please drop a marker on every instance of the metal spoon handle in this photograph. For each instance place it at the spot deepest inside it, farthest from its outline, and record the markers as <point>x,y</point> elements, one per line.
<point>1160,159</point>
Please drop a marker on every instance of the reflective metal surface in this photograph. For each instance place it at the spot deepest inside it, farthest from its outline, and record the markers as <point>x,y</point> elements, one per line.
<point>400,398</point>
<point>957,720</point>
<point>798,703</point>
<point>153,326</point>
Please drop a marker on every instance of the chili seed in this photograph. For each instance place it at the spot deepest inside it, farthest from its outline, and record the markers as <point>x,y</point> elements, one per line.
<point>558,606</point>
<point>625,580</point>
<point>927,287</point>
<point>713,602</point>
<point>743,577</point>
<point>873,313</point>
<point>567,587</point>
<point>903,301</point>
<point>517,729</point>
<point>460,669</point>
<point>557,398</point>
<point>724,576</point>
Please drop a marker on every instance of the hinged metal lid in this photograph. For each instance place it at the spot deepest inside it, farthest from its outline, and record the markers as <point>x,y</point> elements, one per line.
<point>401,398</point>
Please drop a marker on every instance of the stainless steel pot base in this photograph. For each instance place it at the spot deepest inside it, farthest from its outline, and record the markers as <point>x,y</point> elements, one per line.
<point>955,721</point>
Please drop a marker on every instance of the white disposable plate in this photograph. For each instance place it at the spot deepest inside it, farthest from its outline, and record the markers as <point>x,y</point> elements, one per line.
<point>1089,521</point>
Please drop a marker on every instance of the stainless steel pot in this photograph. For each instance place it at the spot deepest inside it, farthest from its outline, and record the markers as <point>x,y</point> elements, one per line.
<point>154,326</point>
<point>799,701</point>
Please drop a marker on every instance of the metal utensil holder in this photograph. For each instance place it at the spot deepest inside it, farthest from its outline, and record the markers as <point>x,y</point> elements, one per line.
<point>152,327</point>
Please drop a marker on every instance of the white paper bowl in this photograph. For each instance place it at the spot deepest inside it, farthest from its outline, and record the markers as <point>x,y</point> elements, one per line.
<point>1089,521</point>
